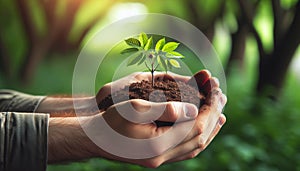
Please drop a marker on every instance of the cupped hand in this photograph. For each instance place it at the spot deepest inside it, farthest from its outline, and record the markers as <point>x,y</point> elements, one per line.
<point>205,125</point>
<point>131,122</point>
<point>201,79</point>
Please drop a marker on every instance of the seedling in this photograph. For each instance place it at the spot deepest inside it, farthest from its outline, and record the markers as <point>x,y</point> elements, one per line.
<point>163,55</point>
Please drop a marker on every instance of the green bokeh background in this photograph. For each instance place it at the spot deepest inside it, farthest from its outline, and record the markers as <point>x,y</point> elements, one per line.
<point>260,134</point>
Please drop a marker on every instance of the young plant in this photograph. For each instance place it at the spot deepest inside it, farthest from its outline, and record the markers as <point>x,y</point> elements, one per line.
<point>163,54</point>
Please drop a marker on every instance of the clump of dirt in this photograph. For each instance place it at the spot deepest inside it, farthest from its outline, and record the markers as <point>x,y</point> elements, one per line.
<point>162,91</point>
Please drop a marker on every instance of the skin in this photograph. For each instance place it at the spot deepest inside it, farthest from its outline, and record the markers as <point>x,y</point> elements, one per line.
<point>68,142</point>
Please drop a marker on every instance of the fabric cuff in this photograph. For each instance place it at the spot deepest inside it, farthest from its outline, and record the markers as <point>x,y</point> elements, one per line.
<point>23,141</point>
<point>13,101</point>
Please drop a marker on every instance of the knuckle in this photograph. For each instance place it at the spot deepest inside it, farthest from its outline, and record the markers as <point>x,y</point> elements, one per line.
<point>139,105</point>
<point>193,154</point>
<point>215,82</point>
<point>171,111</point>
<point>135,103</point>
<point>201,143</point>
<point>200,128</point>
<point>152,163</point>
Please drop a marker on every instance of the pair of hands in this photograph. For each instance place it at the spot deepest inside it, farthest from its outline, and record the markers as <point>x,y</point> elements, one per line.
<point>137,116</point>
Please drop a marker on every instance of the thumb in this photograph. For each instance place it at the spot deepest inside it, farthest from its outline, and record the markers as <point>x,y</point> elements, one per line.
<point>178,112</point>
<point>200,78</point>
<point>143,112</point>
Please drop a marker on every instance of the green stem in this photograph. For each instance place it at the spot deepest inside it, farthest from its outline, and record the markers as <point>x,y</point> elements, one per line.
<point>152,74</point>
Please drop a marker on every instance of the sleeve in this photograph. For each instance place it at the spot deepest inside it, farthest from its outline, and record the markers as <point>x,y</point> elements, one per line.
<point>13,101</point>
<point>23,141</point>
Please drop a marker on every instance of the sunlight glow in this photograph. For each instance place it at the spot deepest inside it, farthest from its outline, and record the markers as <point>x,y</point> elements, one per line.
<point>123,10</point>
<point>295,65</point>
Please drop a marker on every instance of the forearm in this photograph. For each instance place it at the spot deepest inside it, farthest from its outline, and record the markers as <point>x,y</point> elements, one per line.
<point>64,107</point>
<point>67,140</point>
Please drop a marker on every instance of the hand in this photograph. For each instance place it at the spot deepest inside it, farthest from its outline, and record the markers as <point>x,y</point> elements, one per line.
<point>208,122</point>
<point>64,140</point>
<point>66,135</point>
<point>202,79</point>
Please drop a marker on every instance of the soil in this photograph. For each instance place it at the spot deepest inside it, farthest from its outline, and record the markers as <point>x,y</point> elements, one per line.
<point>164,90</point>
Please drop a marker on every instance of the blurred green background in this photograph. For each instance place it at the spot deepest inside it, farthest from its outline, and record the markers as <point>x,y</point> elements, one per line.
<point>257,42</point>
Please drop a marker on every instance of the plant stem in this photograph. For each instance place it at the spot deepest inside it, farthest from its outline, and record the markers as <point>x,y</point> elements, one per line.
<point>152,74</point>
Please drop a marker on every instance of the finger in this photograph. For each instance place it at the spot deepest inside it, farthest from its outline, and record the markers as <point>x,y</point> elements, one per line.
<point>196,151</point>
<point>218,127</point>
<point>181,150</point>
<point>117,85</point>
<point>186,156</point>
<point>215,110</point>
<point>178,112</point>
<point>142,111</point>
<point>216,99</point>
<point>103,92</point>
<point>208,115</point>
<point>200,78</point>
<point>200,123</point>
<point>210,84</point>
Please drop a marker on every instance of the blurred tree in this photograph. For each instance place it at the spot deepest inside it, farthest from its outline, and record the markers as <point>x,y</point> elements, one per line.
<point>204,15</point>
<point>273,66</point>
<point>274,57</point>
<point>4,59</point>
<point>48,25</point>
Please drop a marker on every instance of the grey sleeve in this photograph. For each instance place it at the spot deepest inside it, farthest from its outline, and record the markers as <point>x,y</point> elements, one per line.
<point>23,141</point>
<point>13,101</point>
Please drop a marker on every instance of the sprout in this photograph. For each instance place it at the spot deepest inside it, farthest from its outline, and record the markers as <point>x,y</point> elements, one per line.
<point>163,55</point>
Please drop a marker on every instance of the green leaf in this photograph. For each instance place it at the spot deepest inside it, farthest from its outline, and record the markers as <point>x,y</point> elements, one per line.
<point>129,50</point>
<point>169,47</point>
<point>159,45</point>
<point>174,63</point>
<point>169,65</point>
<point>142,60</point>
<point>165,65</point>
<point>133,42</point>
<point>158,59</point>
<point>174,54</point>
<point>149,44</point>
<point>162,63</point>
<point>135,59</point>
<point>143,38</point>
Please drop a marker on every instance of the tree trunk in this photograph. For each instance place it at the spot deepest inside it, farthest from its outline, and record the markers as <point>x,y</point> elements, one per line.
<point>32,59</point>
<point>4,62</point>
<point>238,47</point>
<point>273,69</point>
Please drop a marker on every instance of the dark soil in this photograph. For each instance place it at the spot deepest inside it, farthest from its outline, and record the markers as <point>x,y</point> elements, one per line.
<point>165,90</point>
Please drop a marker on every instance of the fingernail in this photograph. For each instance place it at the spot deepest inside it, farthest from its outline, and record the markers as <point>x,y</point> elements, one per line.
<point>215,82</point>
<point>223,100</point>
<point>221,121</point>
<point>190,110</point>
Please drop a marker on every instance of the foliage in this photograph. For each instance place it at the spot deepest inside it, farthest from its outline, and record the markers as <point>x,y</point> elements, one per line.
<point>163,55</point>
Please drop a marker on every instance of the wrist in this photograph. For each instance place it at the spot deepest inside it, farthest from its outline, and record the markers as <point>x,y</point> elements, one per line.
<point>68,142</point>
<point>62,106</point>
